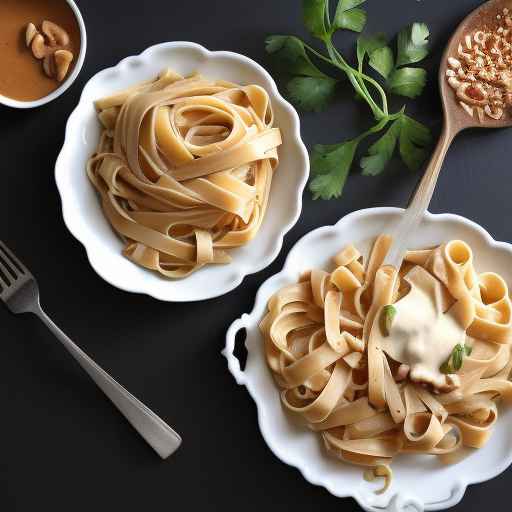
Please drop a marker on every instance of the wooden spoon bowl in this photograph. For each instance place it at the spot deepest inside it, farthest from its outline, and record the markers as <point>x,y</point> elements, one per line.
<point>455,116</point>
<point>456,119</point>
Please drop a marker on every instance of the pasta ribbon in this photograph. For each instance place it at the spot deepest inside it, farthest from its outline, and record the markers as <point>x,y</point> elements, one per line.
<point>324,343</point>
<point>184,168</point>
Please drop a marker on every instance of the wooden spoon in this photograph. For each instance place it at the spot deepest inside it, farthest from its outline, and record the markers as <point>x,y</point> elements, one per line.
<point>456,119</point>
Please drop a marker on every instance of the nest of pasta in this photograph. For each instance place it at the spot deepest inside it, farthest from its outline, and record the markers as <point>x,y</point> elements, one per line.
<point>184,168</point>
<point>321,342</point>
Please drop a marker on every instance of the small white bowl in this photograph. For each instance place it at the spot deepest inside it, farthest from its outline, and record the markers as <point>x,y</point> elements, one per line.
<point>419,482</point>
<point>81,206</point>
<point>9,102</point>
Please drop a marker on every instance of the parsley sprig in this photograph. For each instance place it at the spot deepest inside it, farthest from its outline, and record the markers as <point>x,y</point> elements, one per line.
<point>312,89</point>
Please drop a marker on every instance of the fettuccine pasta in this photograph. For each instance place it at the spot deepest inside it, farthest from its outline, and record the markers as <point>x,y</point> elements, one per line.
<point>332,355</point>
<point>184,168</point>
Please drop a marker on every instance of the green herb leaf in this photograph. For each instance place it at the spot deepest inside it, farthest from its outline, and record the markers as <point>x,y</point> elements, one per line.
<point>407,82</point>
<point>368,44</point>
<point>457,357</point>
<point>382,61</point>
<point>345,5</point>
<point>311,93</point>
<point>468,349</point>
<point>331,165</point>
<point>314,15</point>
<point>388,315</point>
<point>414,138</point>
<point>454,362</point>
<point>412,44</point>
<point>311,89</point>
<point>291,55</point>
<point>446,368</point>
<point>381,151</point>
<point>353,19</point>
<point>348,16</point>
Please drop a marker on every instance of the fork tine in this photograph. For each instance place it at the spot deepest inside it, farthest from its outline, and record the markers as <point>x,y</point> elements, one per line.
<point>12,259</point>
<point>7,276</point>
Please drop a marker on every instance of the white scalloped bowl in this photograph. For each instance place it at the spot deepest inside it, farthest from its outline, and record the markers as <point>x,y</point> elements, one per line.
<point>81,206</point>
<point>419,483</point>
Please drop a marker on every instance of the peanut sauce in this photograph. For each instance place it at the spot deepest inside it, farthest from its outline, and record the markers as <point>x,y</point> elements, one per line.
<point>21,75</point>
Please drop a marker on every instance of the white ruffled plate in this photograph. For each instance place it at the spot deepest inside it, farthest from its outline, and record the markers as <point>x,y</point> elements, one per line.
<point>81,206</point>
<point>419,483</point>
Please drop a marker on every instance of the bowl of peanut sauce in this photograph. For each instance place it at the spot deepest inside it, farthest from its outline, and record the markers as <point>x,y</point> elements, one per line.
<point>42,50</point>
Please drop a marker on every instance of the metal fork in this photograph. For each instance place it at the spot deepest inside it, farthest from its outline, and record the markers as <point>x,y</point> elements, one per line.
<point>20,292</point>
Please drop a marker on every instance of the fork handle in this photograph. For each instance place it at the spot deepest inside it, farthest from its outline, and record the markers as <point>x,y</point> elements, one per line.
<point>160,436</point>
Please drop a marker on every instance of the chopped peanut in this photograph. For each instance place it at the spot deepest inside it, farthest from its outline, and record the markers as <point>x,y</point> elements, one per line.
<point>481,75</point>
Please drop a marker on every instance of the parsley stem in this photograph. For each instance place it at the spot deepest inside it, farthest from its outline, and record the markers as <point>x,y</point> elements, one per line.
<point>374,129</point>
<point>375,84</point>
<point>338,61</point>
<point>379,89</point>
<point>361,78</point>
<point>327,20</point>
<point>355,76</point>
<point>319,55</point>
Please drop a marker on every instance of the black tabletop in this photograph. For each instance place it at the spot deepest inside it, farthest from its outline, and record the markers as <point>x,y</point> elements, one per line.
<point>63,445</point>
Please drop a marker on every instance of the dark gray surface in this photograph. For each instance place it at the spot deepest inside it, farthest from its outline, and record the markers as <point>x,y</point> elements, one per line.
<point>63,446</point>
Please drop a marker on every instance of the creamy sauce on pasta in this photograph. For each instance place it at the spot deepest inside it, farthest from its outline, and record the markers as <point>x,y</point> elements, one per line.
<point>422,335</point>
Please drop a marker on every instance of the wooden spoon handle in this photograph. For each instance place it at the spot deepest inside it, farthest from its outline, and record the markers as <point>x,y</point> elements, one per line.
<point>419,201</point>
<point>421,197</point>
